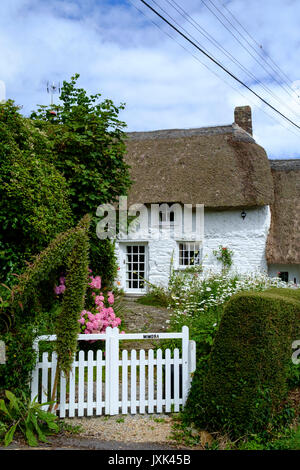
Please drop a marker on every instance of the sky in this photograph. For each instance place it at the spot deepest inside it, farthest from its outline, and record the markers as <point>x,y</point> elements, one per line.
<point>125,52</point>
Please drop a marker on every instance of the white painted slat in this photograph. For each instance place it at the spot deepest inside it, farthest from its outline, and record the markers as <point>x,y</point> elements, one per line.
<point>71,401</point>
<point>53,372</point>
<point>107,370</point>
<point>45,370</point>
<point>150,381</point>
<point>142,381</point>
<point>62,398</point>
<point>159,381</point>
<point>114,372</point>
<point>176,380</point>
<point>90,383</point>
<point>124,381</point>
<point>133,382</point>
<point>99,378</point>
<point>168,380</point>
<point>81,383</point>
<point>192,356</point>
<point>185,363</point>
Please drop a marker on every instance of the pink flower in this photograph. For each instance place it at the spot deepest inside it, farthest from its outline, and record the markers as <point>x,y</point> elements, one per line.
<point>59,289</point>
<point>99,300</point>
<point>82,321</point>
<point>95,282</point>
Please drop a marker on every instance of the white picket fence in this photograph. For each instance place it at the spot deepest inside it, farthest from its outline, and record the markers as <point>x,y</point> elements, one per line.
<point>115,381</point>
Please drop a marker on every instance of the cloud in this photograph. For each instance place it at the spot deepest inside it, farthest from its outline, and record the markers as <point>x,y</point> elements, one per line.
<point>122,54</point>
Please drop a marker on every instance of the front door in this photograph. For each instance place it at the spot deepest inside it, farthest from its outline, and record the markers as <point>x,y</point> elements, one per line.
<point>135,268</point>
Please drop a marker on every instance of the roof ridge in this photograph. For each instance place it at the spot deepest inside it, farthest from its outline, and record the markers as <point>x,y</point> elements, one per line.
<point>188,132</point>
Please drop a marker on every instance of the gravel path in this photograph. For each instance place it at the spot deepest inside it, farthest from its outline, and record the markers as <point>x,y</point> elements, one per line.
<point>127,428</point>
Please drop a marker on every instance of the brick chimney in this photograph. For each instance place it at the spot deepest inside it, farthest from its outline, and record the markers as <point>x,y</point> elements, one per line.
<point>243,118</point>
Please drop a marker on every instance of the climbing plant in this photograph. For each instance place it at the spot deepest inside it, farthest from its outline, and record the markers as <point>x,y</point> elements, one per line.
<point>224,255</point>
<point>69,249</point>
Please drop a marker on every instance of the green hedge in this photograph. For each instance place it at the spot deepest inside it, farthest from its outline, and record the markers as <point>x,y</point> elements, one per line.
<point>246,381</point>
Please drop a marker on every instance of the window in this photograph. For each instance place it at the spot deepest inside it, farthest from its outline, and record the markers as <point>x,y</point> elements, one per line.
<point>190,254</point>
<point>166,217</point>
<point>284,276</point>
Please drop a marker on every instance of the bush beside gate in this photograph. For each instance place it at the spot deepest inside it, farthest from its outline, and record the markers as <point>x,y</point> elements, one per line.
<point>245,386</point>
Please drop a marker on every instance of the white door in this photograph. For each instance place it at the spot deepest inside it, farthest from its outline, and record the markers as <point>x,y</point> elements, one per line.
<point>135,262</point>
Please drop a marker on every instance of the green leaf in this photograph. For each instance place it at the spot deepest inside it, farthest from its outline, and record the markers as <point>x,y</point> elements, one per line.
<point>31,437</point>
<point>13,399</point>
<point>41,435</point>
<point>4,409</point>
<point>9,435</point>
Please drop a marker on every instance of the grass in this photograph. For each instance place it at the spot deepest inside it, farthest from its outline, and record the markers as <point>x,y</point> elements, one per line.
<point>155,298</point>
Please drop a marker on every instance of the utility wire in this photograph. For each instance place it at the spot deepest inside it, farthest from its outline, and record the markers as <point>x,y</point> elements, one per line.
<point>208,36</point>
<point>220,65</point>
<point>240,42</point>
<point>214,73</point>
<point>285,78</point>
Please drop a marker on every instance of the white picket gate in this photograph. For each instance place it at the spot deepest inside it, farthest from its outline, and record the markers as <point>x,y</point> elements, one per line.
<point>111,383</point>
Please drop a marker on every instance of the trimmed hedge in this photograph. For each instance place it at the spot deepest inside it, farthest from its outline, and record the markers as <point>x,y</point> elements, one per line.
<point>246,381</point>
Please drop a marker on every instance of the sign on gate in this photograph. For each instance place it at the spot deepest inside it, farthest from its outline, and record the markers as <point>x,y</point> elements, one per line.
<point>114,381</point>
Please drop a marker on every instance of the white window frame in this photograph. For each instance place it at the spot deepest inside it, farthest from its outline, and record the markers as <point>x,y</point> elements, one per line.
<point>132,290</point>
<point>192,246</point>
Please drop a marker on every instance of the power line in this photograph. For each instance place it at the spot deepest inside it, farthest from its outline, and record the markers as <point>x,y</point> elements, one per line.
<point>214,72</point>
<point>240,42</point>
<point>219,64</point>
<point>208,36</point>
<point>285,78</point>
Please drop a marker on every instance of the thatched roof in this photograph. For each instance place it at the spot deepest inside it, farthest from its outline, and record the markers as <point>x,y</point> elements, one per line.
<point>283,245</point>
<point>220,167</point>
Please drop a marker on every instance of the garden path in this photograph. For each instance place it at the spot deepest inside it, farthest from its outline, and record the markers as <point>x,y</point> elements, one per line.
<point>138,318</point>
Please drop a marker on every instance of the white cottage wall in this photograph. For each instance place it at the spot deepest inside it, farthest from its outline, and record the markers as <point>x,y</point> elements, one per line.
<point>293,271</point>
<point>245,237</point>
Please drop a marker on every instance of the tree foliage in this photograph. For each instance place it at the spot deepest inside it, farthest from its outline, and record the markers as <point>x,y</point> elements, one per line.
<point>88,146</point>
<point>34,201</point>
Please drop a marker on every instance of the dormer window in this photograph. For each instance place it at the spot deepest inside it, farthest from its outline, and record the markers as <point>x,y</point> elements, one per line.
<point>166,216</point>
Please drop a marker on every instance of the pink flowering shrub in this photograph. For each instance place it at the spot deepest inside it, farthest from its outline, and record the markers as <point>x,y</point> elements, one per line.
<point>98,313</point>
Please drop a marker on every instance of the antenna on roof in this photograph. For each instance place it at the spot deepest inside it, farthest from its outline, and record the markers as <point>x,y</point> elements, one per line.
<point>53,88</point>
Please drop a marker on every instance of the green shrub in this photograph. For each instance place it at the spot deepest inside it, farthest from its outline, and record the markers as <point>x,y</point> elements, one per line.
<point>246,383</point>
<point>15,374</point>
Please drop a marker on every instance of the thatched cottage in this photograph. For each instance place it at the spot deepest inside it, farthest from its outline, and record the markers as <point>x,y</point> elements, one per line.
<point>224,180</point>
